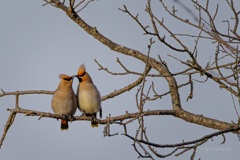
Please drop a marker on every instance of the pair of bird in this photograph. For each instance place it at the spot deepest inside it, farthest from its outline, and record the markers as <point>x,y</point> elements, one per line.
<point>88,99</point>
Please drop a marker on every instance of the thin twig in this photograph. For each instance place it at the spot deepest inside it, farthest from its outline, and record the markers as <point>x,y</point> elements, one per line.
<point>126,88</point>
<point>7,126</point>
<point>206,137</point>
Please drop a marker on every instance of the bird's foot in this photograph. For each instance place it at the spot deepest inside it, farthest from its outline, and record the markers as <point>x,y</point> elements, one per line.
<point>94,122</point>
<point>70,117</point>
<point>64,116</point>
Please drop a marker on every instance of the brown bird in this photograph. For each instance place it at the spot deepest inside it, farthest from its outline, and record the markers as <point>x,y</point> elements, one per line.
<point>88,96</point>
<point>64,101</point>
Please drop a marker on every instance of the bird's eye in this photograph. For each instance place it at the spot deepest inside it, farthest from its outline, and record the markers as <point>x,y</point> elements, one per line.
<point>68,79</point>
<point>79,79</point>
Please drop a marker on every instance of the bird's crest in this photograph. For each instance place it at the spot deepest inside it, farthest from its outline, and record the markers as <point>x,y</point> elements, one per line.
<point>81,70</point>
<point>65,77</point>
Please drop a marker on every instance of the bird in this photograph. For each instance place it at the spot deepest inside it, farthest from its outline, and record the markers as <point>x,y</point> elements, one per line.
<point>64,101</point>
<point>88,96</point>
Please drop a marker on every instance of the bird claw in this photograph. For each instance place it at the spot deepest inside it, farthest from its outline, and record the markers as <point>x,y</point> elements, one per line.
<point>70,117</point>
<point>94,122</point>
<point>84,114</point>
<point>64,116</point>
<point>93,118</point>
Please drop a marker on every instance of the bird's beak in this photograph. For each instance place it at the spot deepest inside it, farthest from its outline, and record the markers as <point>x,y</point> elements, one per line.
<point>73,76</point>
<point>78,77</point>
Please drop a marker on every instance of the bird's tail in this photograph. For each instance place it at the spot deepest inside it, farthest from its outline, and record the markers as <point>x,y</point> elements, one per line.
<point>94,124</point>
<point>64,125</point>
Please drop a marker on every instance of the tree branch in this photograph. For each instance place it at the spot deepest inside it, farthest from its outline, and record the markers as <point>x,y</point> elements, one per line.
<point>236,129</point>
<point>7,126</point>
<point>84,118</point>
<point>26,92</point>
<point>126,88</point>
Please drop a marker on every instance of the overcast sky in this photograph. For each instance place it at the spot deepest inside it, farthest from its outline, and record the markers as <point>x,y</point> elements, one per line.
<point>38,43</point>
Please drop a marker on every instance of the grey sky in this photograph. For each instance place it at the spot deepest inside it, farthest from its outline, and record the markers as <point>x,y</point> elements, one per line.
<point>38,43</point>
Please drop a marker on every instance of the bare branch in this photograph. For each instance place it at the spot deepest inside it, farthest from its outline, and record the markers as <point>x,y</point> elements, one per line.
<point>203,139</point>
<point>108,120</point>
<point>7,126</point>
<point>26,92</point>
<point>127,88</point>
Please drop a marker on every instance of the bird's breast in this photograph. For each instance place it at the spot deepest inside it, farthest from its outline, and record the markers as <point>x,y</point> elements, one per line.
<point>89,99</point>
